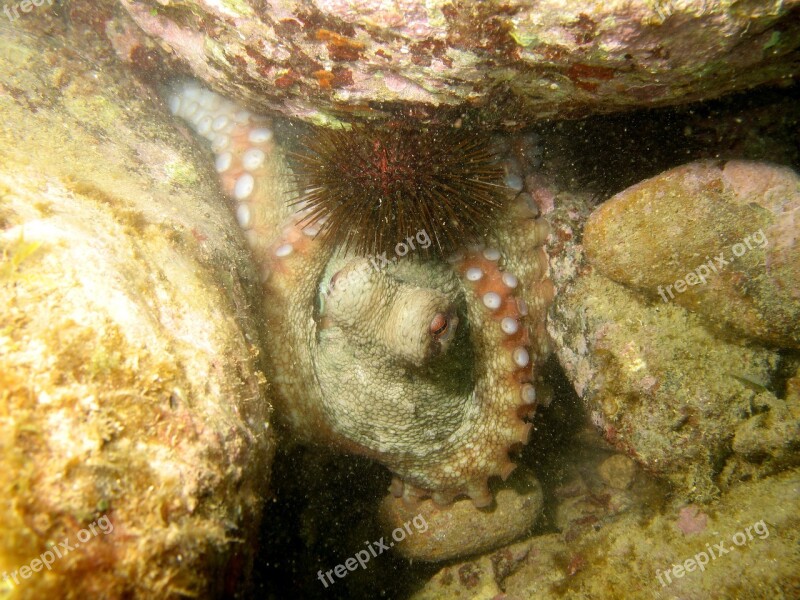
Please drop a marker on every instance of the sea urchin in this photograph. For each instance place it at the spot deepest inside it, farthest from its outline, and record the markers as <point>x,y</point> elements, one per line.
<point>369,187</point>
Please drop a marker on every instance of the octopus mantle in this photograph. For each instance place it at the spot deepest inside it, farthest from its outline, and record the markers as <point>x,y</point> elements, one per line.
<point>425,365</point>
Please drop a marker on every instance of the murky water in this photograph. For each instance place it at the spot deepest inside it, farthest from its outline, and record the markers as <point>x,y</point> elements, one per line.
<point>297,336</point>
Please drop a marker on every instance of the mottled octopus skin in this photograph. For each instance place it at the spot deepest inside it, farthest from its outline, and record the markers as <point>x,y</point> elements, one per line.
<point>425,365</point>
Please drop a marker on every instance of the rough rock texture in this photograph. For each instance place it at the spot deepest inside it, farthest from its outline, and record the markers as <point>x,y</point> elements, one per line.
<point>329,60</point>
<point>479,579</point>
<point>769,440</point>
<point>582,500</point>
<point>757,524</point>
<point>658,385</point>
<point>460,529</point>
<point>719,238</point>
<point>131,386</point>
<point>589,495</point>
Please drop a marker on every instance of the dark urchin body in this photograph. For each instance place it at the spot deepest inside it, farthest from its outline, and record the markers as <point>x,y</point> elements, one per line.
<point>369,188</point>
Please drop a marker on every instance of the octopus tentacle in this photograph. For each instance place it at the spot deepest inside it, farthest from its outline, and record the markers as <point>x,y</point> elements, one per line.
<point>455,446</point>
<point>505,391</point>
<point>254,177</point>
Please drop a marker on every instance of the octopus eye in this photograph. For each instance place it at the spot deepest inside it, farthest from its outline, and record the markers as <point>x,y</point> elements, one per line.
<point>439,326</point>
<point>334,280</point>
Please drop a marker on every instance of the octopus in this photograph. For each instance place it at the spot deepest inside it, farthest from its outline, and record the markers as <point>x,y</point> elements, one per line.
<point>428,365</point>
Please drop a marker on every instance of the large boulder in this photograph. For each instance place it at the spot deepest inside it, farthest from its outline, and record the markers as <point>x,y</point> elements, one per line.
<point>744,548</point>
<point>134,428</point>
<point>324,61</point>
<point>717,237</point>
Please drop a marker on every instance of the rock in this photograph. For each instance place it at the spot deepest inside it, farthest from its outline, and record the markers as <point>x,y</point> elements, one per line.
<point>645,555</point>
<point>583,499</point>
<point>767,442</point>
<point>618,471</point>
<point>461,529</point>
<point>719,238</point>
<point>326,61</point>
<point>134,415</point>
<point>659,386</point>
<point>793,384</point>
<point>479,579</point>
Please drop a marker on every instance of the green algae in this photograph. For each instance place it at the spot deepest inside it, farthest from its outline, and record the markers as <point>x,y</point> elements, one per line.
<point>130,377</point>
<point>13,255</point>
<point>182,173</point>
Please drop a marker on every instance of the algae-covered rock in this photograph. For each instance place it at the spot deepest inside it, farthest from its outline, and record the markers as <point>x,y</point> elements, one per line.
<point>719,238</point>
<point>460,529</point>
<point>596,488</point>
<point>770,439</point>
<point>134,429</point>
<point>478,579</point>
<point>745,547</point>
<point>324,61</point>
<point>696,405</point>
<point>661,387</point>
